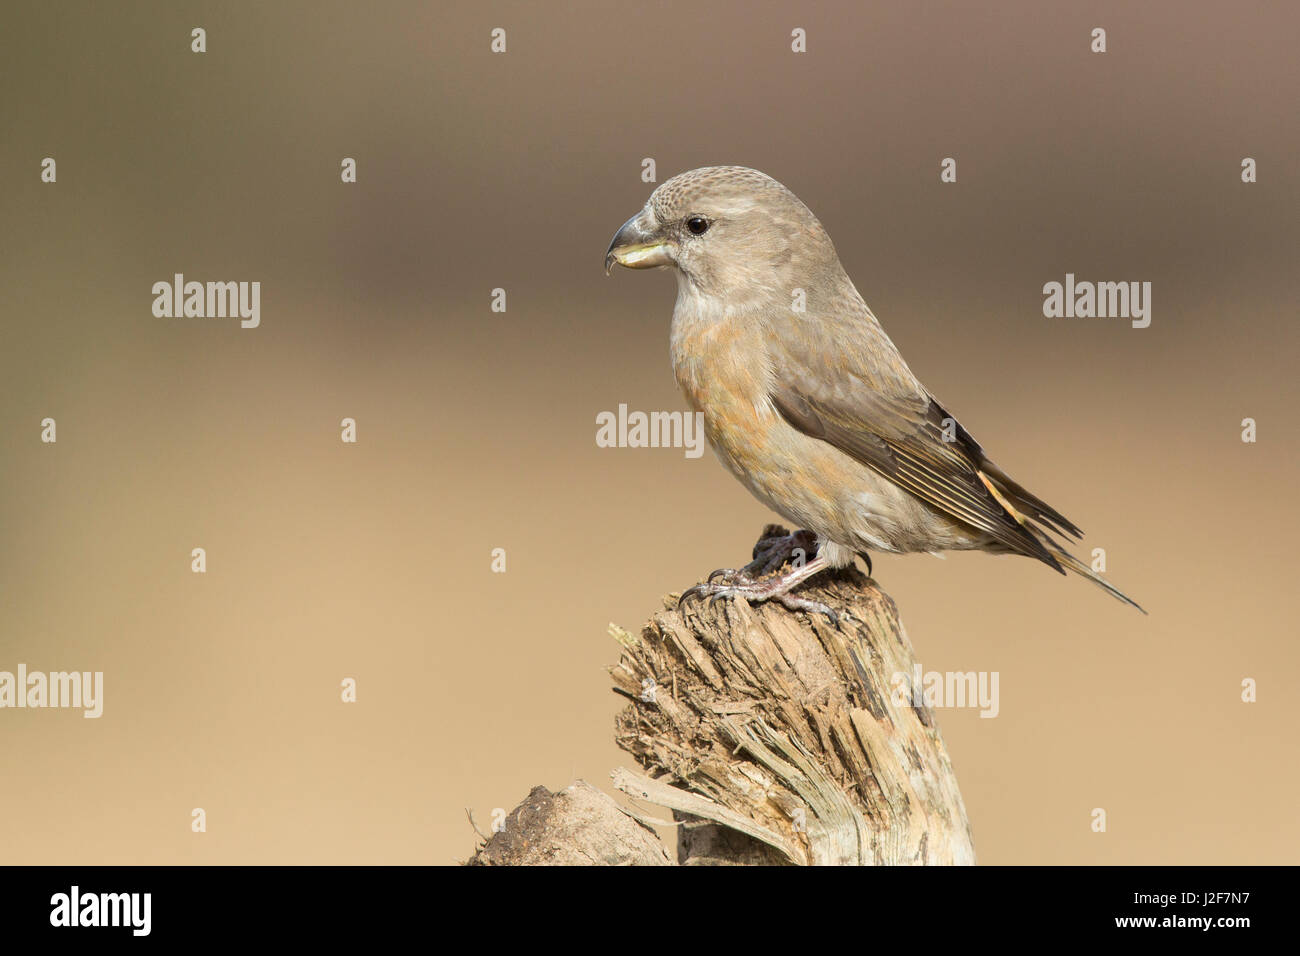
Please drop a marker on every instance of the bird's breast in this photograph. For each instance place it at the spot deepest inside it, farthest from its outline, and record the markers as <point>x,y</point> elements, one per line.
<point>719,364</point>
<point>722,367</point>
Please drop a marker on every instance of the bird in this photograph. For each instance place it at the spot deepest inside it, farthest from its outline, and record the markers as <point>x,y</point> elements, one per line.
<point>807,401</point>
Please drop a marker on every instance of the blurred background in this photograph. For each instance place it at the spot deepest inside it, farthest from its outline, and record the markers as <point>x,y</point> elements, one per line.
<point>476,429</point>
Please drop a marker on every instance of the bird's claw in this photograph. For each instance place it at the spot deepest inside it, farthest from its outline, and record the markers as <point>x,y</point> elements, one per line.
<point>795,603</point>
<point>731,578</point>
<point>756,592</point>
<point>761,580</point>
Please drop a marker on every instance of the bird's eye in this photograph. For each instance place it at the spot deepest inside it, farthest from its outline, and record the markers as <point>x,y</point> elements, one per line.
<point>698,225</point>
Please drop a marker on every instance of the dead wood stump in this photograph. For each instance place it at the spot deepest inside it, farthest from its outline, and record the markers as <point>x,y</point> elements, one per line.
<point>779,737</point>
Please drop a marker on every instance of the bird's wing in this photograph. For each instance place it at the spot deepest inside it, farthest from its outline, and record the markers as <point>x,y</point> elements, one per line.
<point>844,382</point>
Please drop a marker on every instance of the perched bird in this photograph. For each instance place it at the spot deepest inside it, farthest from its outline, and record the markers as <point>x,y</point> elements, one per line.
<point>814,409</point>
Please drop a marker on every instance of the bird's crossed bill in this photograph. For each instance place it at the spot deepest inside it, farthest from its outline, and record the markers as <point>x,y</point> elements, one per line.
<point>814,410</point>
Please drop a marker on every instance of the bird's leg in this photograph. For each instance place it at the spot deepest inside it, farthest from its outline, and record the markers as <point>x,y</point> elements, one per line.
<point>777,586</point>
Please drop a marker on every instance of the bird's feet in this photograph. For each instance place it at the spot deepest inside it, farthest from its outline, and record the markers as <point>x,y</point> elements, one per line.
<point>776,546</point>
<point>773,550</point>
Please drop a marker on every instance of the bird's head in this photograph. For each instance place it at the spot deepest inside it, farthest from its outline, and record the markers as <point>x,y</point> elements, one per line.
<point>730,231</point>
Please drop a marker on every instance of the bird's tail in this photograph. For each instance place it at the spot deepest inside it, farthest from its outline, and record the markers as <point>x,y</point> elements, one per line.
<point>1014,498</point>
<point>1078,567</point>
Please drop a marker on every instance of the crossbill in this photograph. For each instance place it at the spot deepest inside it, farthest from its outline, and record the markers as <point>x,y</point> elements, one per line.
<point>814,410</point>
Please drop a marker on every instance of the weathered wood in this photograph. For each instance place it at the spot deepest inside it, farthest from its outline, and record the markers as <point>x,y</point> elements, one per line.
<point>577,826</point>
<point>774,737</point>
<point>790,730</point>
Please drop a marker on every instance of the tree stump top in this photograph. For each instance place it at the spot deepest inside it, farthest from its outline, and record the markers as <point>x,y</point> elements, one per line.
<point>773,736</point>
<point>797,735</point>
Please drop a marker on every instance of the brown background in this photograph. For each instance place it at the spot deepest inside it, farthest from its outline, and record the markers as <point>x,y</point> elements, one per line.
<point>477,429</point>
